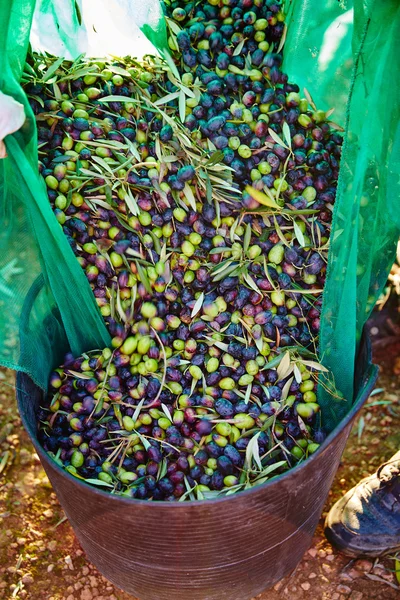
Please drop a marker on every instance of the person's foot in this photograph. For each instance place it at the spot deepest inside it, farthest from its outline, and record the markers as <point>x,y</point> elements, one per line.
<point>366,521</point>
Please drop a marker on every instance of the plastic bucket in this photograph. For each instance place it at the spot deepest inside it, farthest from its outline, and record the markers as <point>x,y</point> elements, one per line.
<point>231,548</point>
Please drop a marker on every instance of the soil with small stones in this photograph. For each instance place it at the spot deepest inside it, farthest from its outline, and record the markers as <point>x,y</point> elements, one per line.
<point>40,558</point>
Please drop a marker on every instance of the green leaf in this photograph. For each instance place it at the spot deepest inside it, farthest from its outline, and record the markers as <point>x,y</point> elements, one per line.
<point>215,158</point>
<point>131,203</point>
<point>198,305</point>
<point>143,278</point>
<point>297,374</point>
<point>247,238</point>
<point>167,98</point>
<point>225,272</point>
<point>57,92</point>
<point>145,442</point>
<point>248,392</point>
<point>309,99</point>
<point>397,569</point>
<point>136,414</point>
<point>239,47</point>
<point>270,469</point>
<point>115,98</point>
<point>187,190</point>
<point>250,282</point>
<point>220,250</point>
<point>299,234</point>
<point>162,469</point>
<point>277,139</point>
<point>182,106</point>
<point>119,71</point>
<point>166,412</point>
<point>286,134</point>
<point>253,452</point>
<point>284,366</point>
<point>315,365</point>
<point>79,375</point>
<point>100,161</point>
<point>173,25</point>
<point>286,389</point>
<point>51,70</point>
<point>262,198</point>
<point>99,483</point>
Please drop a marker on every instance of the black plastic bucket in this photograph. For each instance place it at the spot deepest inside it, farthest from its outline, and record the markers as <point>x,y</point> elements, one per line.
<point>232,548</point>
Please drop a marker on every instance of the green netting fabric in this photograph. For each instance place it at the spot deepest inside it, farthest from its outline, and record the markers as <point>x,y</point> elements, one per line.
<point>117,27</point>
<point>323,47</point>
<point>318,51</point>
<point>37,323</point>
<point>346,55</point>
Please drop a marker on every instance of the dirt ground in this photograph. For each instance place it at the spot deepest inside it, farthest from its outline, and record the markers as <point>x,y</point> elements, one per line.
<point>40,559</point>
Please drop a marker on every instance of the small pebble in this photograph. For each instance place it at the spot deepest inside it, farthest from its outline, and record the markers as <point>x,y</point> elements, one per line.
<point>363,565</point>
<point>86,594</point>
<point>356,596</point>
<point>343,589</point>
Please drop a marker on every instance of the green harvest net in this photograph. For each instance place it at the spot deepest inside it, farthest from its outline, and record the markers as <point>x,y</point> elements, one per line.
<point>351,68</point>
<point>343,53</point>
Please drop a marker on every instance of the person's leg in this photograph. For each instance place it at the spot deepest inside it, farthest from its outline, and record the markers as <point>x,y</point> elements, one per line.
<point>366,521</point>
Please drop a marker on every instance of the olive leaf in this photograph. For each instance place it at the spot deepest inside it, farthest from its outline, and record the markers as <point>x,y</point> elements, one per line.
<point>315,365</point>
<point>115,98</point>
<point>120,310</point>
<point>251,283</point>
<point>286,134</point>
<point>167,98</point>
<point>198,305</point>
<point>286,389</point>
<point>247,238</point>
<point>78,375</point>
<point>299,234</point>
<point>284,365</point>
<point>220,250</point>
<point>283,38</point>
<point>303,427</point>
<point>182,106</point>
<point>190,196</point>
<point>52,69</point>
<point>277,139</point>
<point>309,99</point>
<point>136,414</point>
<point>262,198</point>
<point>253,452</point>
<point>239,47</point>
<point>162,469</point>
<point>120,71</point>
<point>166,412</point>
<point>297,374</point>
<point>214,159</point>
<point>269,469</point>
<point>145,442</point>
<point>248,392</point>
<point>99,482</point>
<point>100,161</point>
